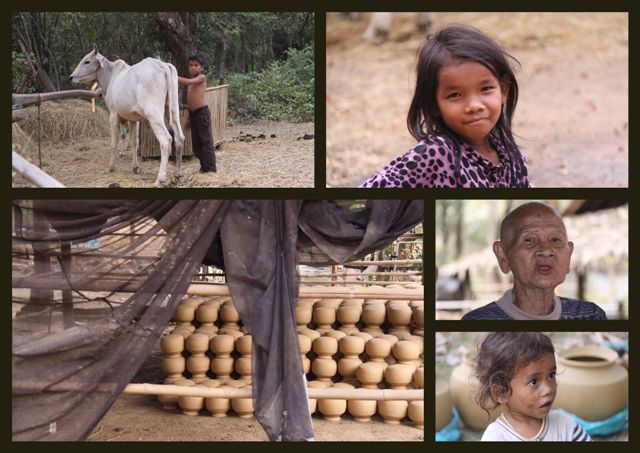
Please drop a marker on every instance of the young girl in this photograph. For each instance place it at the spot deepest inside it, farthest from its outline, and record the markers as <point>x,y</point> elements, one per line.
<point>518,369</point>
<point>461,112</point>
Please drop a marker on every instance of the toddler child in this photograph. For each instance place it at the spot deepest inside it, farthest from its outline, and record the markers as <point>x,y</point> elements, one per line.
<point>461,112</point>
<point>518,369</point>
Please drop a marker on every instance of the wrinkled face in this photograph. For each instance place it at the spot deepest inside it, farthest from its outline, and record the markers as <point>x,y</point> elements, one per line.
<point>470,100</point>
<point>86,70</point>
<point>535,250</point>
<point>195,68</point>
<point>533,388</point>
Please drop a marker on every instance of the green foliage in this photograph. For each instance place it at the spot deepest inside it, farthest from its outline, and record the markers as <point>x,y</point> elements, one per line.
<point>284,91</point>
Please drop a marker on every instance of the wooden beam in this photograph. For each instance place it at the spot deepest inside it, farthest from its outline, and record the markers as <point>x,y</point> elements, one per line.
<point>27,99</point>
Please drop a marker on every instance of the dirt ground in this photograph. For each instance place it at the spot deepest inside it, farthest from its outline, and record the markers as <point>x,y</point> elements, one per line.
<point>571,120</point>
<point>282,157</point>
<point>141,417</point>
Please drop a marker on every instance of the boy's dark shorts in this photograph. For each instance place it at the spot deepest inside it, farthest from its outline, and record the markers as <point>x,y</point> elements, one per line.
<point>202,138</point>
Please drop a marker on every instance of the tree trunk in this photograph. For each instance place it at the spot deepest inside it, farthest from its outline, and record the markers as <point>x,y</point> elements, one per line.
<point>222,56</point>
<point>179,31</point>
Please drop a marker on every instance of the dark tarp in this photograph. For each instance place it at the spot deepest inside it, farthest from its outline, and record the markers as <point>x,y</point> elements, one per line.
<point>78,338</point>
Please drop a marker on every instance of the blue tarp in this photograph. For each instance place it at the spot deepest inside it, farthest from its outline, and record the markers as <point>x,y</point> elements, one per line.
<point>451,432</point>
<point>606,427</point>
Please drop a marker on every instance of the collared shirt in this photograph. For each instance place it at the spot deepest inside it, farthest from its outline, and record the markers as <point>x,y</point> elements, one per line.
<point>432,163</point>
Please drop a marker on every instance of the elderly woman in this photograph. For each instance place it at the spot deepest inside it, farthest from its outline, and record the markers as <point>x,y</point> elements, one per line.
<point>534,247</point>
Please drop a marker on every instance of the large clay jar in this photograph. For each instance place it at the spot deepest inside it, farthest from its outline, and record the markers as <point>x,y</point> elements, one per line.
<point>464,387</point>
<point>444,404</point>
<point>590,383</point>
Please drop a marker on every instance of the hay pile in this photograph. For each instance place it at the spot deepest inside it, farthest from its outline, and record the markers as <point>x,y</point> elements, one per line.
<point>66,120</point>
<point>20,140</point>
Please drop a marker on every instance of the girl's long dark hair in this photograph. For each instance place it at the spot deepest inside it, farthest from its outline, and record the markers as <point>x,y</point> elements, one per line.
<point>500,356</point>
<point>451,45</point>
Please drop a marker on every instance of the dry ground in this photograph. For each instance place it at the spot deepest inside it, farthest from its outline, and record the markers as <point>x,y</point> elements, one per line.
<point>280,161</point>
<point>572,116</point>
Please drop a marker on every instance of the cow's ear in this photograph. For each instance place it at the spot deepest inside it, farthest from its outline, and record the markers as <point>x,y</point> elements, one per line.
<point>100,59</point>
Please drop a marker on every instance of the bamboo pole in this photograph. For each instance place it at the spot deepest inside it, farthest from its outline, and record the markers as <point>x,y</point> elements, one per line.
<point>207,289</point>
<point>32,173</point>
<point>323,393</point>
<point>360,274</point>
<point>382,262</point>
<point>339,283</point>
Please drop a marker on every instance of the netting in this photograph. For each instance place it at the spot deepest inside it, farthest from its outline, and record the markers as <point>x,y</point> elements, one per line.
<point>95,283</point>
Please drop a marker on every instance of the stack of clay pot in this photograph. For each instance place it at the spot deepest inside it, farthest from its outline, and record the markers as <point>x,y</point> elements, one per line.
<point>349,343</point>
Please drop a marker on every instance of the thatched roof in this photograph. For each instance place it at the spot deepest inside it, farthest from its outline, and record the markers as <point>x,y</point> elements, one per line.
<point>601,241</point>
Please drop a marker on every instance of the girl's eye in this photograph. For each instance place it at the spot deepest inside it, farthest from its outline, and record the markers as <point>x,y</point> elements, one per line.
<point>488,88</point>
<point>533,382</point>
<point>528,240</point>
<point>452,95</point>
<point>552,376</point>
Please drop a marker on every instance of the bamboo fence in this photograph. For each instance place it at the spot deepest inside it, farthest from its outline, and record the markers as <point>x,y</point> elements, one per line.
<point>216,98</point>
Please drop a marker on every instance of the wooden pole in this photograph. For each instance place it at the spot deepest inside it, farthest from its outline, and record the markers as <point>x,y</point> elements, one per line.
<point>383,263</point>
<point>27,99</point>
<point>210,290</point>
<point>32,173</point>
<point>323,393</point>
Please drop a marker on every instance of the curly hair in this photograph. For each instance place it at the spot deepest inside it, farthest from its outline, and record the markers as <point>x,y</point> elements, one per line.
<point>500,356</point>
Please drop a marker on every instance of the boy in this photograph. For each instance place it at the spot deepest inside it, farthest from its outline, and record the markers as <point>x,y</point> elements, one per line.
<point>199,116</point>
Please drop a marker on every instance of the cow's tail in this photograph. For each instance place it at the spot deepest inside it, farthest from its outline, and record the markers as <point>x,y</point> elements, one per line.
<point>172,99</point>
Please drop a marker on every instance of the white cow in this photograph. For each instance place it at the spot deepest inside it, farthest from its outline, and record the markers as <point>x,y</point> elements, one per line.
<point>144,91</point>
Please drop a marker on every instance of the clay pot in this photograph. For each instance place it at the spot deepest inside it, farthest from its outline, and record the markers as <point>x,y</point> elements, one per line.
<point>197,343</point>
<point>305,346</point>
<point>398,376</point>
<point>334,304</point>
<point>369,374</point>
<point>393,411</point>
<point>337,334</point>
<point>332,409</point>
<point>191,405</point>
<point>323,317</point>
<point>218,407</point>
<point>377,349</point>
<point>207,314</point>
<point>362,410</point>
<point>325,346</point>
<point>444,404</point>
<point>392,339</point>
<point>308,332</point>
<point>184,315</point>
<point>170,402</point>
<point>324,367</point>
<point>235,333</point>
<point>172,344</point>
<point>364,335</point>
<point>418,378</point>
<point>415,411</point>
<point>418,320</point>
<point>313,403</point>
<point>591,384</point>
<point>243,407</point>
<point>304,314</point>
<point>464,387</point>
<point>230,316</point>
<point>407,352</point>
<point>351,347</point>
<point>348,316</point>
